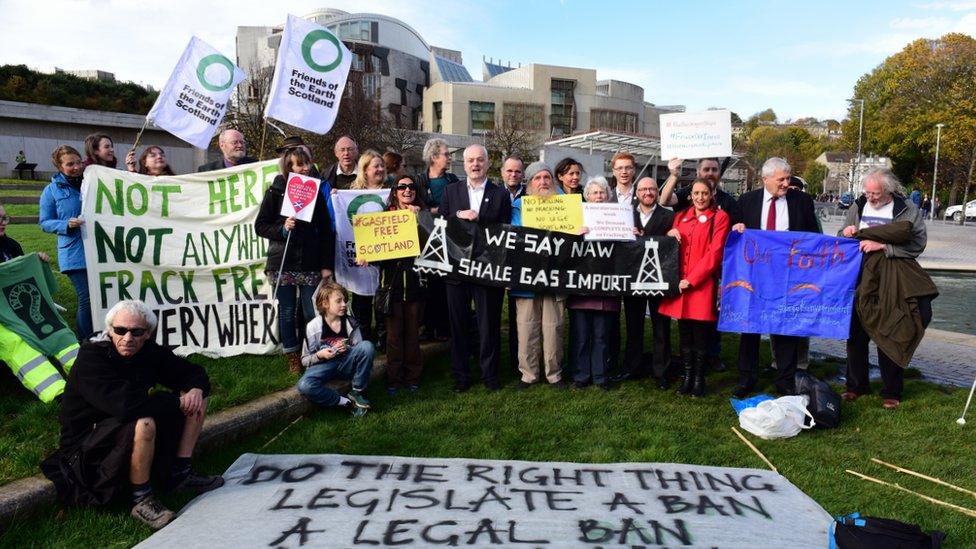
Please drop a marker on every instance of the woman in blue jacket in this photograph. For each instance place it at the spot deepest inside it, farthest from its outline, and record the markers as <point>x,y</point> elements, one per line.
<point>60,214</point>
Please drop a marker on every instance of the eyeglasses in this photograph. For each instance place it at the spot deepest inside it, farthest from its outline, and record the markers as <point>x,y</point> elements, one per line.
<point>411,186</point>
<point>4,219</point>
<point>645,191</point>
<point>122,330</point>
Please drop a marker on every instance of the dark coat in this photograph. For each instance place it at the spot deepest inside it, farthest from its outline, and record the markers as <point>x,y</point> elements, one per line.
<point>312,246</point>
<point>423,181</point>
<point>701,262</point>
<point>724,200</point>
<point>802,215</point>
<point>219,164</point>
<point>9,248</point>
<point>336,181</point>
<point>887,294</point>
<point>496,207</point>
<point>659,224</point>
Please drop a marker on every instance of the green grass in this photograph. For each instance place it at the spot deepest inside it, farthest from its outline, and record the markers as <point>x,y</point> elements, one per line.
<point>7,192</point>
<point>14,181</point>
<point>22,209</point>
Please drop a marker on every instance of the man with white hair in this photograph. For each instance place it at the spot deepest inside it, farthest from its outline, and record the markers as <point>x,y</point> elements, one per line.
<point>478,201</point>
<point>774,207</point>
<point>117,427</point>
<point>233,151</point>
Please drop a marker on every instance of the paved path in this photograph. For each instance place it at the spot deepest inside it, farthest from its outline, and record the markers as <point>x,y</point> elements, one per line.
<point>950,247</point>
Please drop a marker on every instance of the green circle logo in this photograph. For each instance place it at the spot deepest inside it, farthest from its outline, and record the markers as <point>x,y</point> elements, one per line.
<point>360,201</point>
<point>202,72</point>
<point>310,40</point>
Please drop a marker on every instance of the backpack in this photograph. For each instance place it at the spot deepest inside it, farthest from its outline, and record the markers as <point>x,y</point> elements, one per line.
<point>824,402</point>
<point>856,532</point>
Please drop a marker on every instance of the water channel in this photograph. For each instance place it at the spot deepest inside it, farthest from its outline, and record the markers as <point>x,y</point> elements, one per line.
<point>955,308</point>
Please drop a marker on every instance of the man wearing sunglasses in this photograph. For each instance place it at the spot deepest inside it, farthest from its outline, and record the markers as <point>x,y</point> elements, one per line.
<point>119,429</point>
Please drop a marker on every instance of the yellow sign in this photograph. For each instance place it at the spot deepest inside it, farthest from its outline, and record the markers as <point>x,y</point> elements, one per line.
<point>386,235</point>
<point>561,212</point>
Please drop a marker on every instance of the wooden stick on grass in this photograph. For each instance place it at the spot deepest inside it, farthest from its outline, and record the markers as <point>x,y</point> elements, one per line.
<point>281,432</point>
<point>926,477</point>
<point>756,450</point>
<point>962,510</point>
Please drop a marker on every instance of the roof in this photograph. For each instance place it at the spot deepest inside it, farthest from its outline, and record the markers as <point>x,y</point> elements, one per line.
<point>492,70</point>
<point>609,142</point>
<point>451,71</point>
<point>842,157</point>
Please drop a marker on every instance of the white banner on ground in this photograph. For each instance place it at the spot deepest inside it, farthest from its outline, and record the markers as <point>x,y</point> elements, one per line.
<point>310,76</point>
<point>354,501</point>
<point>608,221</point>
<point>345,204</point>
<point>194,100</point>
<point>696,134</point>
<point>185,245</point>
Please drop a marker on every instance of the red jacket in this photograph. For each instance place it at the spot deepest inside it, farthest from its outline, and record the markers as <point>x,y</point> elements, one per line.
<point>701,262</point>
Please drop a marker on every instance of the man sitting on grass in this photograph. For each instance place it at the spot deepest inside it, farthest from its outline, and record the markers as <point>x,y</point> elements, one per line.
<point>335,349</point>
<point>116,427</point>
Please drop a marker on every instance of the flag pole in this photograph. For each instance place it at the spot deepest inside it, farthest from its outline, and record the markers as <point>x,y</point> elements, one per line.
<point>264,119</point>
<point>135,145</point>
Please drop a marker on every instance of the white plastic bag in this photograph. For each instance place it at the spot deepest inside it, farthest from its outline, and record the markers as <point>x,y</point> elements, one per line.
<point>783,417</point>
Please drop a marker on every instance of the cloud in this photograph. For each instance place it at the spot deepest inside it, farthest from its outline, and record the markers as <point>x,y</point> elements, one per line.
<point>957,5</point>
<point>920,23</point>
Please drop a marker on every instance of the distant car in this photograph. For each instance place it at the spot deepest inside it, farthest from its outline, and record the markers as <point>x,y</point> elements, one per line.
<point>955,212</point>
<point>846,200</point>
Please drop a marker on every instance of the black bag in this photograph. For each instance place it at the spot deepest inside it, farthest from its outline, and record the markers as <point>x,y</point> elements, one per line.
<point>381,301</point>
<point>856,532</point>
<point>824,403</point>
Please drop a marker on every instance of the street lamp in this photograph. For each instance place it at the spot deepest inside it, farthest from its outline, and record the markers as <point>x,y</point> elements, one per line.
<point>935,172</point>
<point>860,131</point>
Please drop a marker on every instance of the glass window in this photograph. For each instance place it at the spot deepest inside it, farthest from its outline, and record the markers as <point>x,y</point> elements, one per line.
<point>482,116</point>
<point>438,116</point>
<point>615,121</point>
<point>562,119</point>
<point>524,116</point>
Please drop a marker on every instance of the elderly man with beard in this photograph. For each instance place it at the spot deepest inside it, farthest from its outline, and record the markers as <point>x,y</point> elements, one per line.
<point>538,316</point>
<point>233,150</point>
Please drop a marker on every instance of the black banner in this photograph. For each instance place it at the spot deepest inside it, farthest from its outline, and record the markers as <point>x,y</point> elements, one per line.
<point>531,259</point>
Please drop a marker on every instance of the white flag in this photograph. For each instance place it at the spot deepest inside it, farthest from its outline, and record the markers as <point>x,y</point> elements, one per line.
<point>345,204</point>
<point>194,100</point>
<point>309,77</point>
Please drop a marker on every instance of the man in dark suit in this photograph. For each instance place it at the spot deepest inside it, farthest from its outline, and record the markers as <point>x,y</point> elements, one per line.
<point>480,201</point>
<point>649,220</point>
<point>774,207</point>
<point>233,151</point>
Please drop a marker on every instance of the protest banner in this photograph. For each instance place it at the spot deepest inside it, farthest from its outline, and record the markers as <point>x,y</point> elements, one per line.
<point>361,280</point>
<point>608,221</point>
<point>185,245</point>
<point>310,76</point>
<point>559,212</point>
<point>696,135</point>
<point>788,283</point>
<point>386,235</point>
<point>193,101</point>
<point>301,194</point>
<point>531,259</point>
<point>365,501</point>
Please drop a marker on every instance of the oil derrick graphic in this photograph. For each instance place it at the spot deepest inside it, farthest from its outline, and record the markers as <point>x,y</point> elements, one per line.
<point>650,279</point>
<point>433,259</point>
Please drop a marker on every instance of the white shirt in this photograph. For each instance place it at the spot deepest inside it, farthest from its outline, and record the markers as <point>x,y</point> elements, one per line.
<point>644,218</point>
<point>625,198</point>
<point>476,195</point>
<point>782,212</point>
<point>871,216</point>
<point>355,170</point>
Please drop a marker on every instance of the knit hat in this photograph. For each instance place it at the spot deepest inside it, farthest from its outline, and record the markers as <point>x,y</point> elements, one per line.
<point>536,167</point>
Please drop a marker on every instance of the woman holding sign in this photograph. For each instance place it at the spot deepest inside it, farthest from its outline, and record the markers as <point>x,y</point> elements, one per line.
<point>701,230</point>
<point>310,254</point>
<point>370,175</point>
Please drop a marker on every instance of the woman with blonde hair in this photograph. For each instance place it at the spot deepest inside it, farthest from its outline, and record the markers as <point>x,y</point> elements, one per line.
<point>370,171</point>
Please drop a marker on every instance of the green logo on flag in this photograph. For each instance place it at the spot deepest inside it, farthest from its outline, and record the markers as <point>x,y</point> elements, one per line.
<point>310,40</point>
<point>361,201</point>
<point>202,72</point>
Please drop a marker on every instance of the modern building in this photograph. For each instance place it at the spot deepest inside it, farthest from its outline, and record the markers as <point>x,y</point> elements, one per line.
<point>93,74</point>
<point>391,60</point>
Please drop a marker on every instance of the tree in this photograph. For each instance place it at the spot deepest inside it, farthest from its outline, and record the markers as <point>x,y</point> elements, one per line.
<point>19,83</point>
<point>814,175</point>
<point>511,140</point>
<point>928,82</point>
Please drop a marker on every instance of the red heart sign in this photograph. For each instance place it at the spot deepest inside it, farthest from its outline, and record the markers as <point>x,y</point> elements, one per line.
<point>301,192</point>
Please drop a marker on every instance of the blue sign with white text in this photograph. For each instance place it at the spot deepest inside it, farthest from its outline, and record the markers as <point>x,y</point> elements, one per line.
<point>788,283</point>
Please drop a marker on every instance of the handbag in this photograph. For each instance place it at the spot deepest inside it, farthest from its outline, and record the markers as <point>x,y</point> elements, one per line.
<point>381,300</point>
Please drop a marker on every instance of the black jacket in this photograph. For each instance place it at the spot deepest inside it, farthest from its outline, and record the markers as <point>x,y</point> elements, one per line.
<point>312,246</point>
<point>724,200</point>
<point>331,175</point>
<point>423,181</point>
<point>219,164</point>
<point>661,221</point>
<point>404,283</point>
<point>798,204</point>
<point>102,384</point>
<point>9,248</point>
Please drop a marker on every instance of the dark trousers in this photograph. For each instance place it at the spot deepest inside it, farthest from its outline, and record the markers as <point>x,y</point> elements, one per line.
<point>634,313</point>
<point>784,353</point>
<point>435,311</point>
<point>588,342</point>
<point>488,307</point>
<point>403,362</point>
<point>362,309</point>
<point>892,375</point>
<point>512,335</point>
<point>696,335</point>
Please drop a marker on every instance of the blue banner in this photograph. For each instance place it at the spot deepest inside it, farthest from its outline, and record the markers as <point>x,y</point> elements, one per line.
<point>788,283</point>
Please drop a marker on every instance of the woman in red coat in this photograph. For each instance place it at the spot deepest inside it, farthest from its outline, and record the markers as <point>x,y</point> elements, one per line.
<point>701,231</point>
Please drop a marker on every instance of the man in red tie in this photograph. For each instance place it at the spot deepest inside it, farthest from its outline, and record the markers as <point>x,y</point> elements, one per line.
<point>774,207</point>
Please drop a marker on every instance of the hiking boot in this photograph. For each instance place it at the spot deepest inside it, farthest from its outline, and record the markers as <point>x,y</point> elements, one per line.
<point>196,483</point>
<point>358,400</point>
<point>150,512</point>
<point>294,363</point>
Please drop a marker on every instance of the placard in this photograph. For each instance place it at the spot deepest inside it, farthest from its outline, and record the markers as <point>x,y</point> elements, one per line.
<point>301,193</point>
<point>560,212</point>
<point>696,135</point>
<point>608,221</point>
<point>386,235</point>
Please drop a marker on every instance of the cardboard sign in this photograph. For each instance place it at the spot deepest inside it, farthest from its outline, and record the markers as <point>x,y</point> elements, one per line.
<point>608,221</point>
<point>300,196</point>
<point>696,135</point>
<point>562,213</point>
<point>379,501</point>
<point>386,235</point>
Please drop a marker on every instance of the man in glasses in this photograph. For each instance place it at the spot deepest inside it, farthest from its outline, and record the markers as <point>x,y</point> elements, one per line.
<point>117,428</point>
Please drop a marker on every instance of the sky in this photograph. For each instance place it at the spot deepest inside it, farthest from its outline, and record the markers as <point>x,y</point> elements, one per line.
<point>800,59</point>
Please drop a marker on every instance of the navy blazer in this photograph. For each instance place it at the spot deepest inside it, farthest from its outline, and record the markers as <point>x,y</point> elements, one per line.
<point>496,205</point>
<point>661,221</point>
<point>799,205</point>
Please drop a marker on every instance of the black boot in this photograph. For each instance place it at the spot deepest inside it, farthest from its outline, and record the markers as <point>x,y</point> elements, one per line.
<point>698,387</point>
<point>687,363</point>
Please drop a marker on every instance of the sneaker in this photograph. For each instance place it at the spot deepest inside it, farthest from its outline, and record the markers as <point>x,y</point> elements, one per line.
<point>891,403</point>
<point>358,412</point>
<point>152,513</point>
<point>358,400</point>
<point>849,396</point>
<point>196,483</point>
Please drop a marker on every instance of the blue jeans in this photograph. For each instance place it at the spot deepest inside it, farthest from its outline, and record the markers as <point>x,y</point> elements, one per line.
<point>590,343</point>
<point>354,364</point>
<point>287,330</point>
<point>83,318</point>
